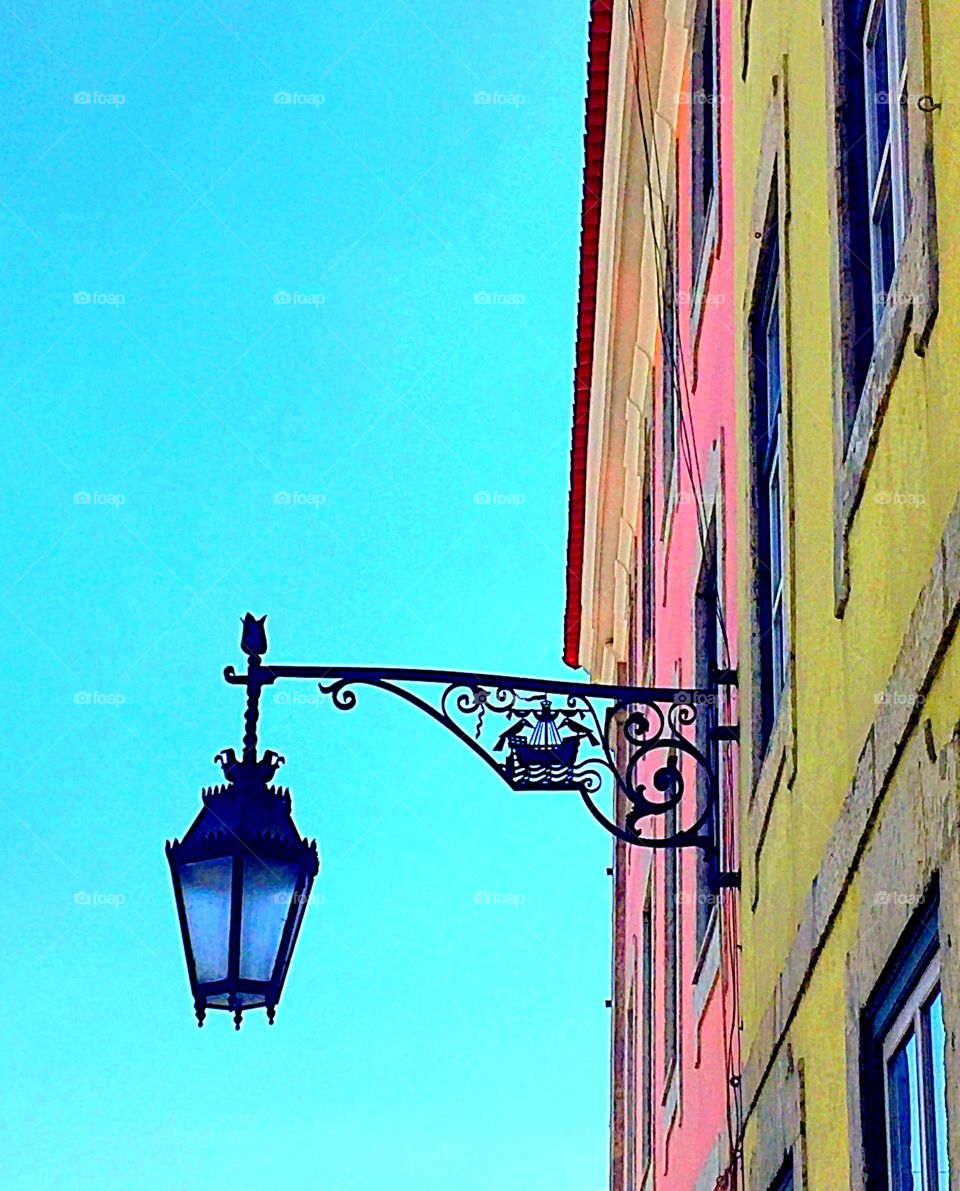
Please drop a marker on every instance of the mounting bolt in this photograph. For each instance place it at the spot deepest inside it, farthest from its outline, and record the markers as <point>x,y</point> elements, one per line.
<point>609,1004</point>
<point>609,872</point>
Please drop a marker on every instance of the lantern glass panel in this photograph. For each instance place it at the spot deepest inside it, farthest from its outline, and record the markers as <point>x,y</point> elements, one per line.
<point>298,909</point>
<point>269,888</point>
<point>206,887</point>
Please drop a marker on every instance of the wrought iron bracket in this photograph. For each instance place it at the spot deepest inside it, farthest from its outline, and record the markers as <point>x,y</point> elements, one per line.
<point>651,753</point>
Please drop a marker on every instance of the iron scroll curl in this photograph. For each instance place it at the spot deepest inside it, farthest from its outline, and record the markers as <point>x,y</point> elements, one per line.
<point>646,747</point>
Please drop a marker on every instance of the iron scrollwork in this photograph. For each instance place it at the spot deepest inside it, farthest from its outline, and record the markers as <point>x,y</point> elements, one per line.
<point>649,753</point>
<point>649,747</point>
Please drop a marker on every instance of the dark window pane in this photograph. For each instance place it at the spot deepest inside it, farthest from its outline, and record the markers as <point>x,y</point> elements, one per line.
<point>884,243</point>
<point>767,416</point>
<point>903,1115</point>
<point>938,1090</point>
<point>879,89</point>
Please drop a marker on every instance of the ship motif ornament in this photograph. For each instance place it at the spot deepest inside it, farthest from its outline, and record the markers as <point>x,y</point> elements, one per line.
<point>540,756</point>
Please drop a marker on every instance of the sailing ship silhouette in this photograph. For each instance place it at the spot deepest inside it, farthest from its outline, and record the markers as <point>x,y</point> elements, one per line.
<point>539,754</point>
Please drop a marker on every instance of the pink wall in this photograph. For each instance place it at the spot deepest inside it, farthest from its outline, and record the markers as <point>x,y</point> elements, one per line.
<point>708,1042</point>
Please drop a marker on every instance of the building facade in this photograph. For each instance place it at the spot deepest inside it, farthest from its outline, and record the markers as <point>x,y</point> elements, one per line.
<point>652,570</point>
<point>849,448</point>
<point>766,478</point>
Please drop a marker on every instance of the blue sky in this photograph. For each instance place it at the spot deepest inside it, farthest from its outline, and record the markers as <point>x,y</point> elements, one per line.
<point>180,443</point>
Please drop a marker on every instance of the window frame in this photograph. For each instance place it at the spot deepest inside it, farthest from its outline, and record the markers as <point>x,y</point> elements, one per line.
<point>888,167</point>
<point>768,478</point>
<point>670,353</point>
<point>913,1019</point>
<point>908,983</point>
<point>704,148</point>
<point>870,344</point>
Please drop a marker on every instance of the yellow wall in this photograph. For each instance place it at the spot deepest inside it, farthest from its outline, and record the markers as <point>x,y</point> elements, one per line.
<point>840,665</point>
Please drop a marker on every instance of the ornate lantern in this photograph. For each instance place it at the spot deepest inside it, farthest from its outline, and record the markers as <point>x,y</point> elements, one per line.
<point>242,877</point>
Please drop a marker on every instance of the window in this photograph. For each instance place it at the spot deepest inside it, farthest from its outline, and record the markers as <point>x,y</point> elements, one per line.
<point>671,356</point>
<point>885,97</point>
<point>671,970</point>
<point>914,1091</point>
<point>646,1062</point>
<point>706,618</point>
<point>704,102</point>
<point>875,167</point>
<point>904,1069</point>
<point>768,471</point>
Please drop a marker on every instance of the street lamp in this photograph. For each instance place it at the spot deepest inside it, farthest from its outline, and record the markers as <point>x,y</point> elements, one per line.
<point>242,877</point>
<point>242,874</point>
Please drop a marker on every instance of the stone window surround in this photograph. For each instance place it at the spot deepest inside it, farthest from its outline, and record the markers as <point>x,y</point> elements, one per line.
<point>913,301</point>
<point>887,913</point>
<point>776,765</point>
<point>892,838</point>
<point>781,1125</point>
